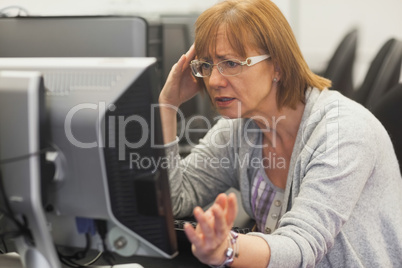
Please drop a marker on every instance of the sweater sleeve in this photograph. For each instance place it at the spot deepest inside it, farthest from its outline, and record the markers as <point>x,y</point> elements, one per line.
<point>197,179</point>
<point>335,165</point>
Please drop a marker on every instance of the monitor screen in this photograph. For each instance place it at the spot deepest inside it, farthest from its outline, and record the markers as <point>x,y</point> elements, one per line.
<point>103,140</point>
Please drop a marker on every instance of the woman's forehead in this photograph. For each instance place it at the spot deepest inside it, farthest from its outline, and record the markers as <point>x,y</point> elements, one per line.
<point>223,49</point>
<point>224,42</point>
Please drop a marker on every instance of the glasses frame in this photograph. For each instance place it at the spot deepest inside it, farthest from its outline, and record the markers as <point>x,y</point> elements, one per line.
<point>250,61</point>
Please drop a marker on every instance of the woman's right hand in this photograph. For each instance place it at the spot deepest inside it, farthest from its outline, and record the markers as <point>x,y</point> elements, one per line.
<point>180,85</point>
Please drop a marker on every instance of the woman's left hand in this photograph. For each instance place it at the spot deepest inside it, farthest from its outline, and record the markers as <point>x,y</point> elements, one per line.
<point>210,238</point>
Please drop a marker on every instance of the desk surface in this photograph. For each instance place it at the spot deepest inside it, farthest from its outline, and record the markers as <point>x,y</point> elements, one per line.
<point>12,260</point>
<point>181,261</point>
<point>185,259</point>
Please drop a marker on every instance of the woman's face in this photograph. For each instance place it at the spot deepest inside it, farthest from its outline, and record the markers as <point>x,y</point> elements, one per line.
<point>248,94</point>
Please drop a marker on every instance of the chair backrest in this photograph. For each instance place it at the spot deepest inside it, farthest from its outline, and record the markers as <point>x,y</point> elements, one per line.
<point>340,66</point>
<point>388,110</point>
<point>383,73</point>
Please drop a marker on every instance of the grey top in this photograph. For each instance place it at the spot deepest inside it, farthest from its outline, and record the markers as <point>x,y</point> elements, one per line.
<point>342,204</point>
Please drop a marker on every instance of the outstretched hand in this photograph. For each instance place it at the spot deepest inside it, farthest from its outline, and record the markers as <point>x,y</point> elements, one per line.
<point>209,238</point>
<point>180,85</point>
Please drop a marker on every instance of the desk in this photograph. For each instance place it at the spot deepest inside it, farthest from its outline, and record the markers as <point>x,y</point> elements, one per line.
<point>12,260</point>
<point>185,259</point>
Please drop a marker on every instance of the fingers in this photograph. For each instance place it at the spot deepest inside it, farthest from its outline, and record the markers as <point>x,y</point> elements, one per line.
<point>206,223</point>
<point>190,55</point>
<point>221,227</point>
<point>215,223</point>
<point>216,220</point>
<point>180,63</point>
<point>209,239</point>
<point>221,200</point>
<point>178,69</point>
<point>231,209</point>
<point>204,233</point>
<point>185,59</point>
<point>192,235</point>
<point>229,206</point>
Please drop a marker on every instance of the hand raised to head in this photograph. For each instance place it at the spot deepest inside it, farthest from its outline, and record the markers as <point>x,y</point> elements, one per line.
<point>180,85</point>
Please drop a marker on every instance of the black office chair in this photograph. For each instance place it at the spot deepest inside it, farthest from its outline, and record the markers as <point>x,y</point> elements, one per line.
<point>388,110</point>
<point>383,74</point>
<point>340,66</point>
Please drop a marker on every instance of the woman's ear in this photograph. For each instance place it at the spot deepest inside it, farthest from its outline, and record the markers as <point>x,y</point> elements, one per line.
<point>277,70</point>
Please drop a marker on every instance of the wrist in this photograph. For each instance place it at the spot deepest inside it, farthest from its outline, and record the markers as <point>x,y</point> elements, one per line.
<point>168,102</point>
<point>168,116</point>
<point>231,252</point>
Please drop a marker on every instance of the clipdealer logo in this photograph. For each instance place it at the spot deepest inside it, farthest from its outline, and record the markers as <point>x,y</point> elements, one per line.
<point>147,128</point>
<point>117,125</point>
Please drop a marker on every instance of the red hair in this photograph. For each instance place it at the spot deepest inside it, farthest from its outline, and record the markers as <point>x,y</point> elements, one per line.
<point>259,24</point>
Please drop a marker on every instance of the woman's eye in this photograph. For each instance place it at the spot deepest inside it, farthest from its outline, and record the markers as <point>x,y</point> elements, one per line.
<point>205,65</point>
<point>231,64</point>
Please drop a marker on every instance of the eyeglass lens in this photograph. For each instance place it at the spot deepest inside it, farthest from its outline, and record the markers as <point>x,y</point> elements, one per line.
<point>226,67</point>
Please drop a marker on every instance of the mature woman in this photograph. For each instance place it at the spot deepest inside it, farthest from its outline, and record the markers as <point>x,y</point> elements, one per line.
<point>316,171</point>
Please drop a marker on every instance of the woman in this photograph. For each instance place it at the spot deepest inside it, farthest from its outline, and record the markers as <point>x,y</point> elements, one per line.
<point>315,170</point>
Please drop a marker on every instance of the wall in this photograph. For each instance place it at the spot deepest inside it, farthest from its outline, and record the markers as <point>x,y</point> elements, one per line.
<point>322,25</point>
<point>318,25</point>
<point>97,7</point>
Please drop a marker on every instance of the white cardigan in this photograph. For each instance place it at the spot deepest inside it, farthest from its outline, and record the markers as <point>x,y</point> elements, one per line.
<point>343,199</point>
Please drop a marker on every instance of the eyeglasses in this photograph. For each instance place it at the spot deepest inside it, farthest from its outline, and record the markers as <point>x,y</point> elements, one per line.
<point>225,67</point>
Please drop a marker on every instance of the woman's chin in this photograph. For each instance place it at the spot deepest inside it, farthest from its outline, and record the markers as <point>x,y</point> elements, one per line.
<point>229,114</point>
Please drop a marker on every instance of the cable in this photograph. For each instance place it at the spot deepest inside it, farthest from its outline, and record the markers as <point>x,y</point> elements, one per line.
<point>71,263</point>
<point>9,216</point>
<point>22,228</point>
<point>70,260</point>
<point>22,231</point>
<point>79,255</point>
<point>4,246</point>
<point>65,262</point>
<point>7,212</point>
<point>2,240</point>
<point>94,259</point>
<point>101,227</point>
<point>22,157</point>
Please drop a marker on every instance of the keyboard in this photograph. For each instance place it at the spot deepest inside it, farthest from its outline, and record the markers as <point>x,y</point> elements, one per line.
<point>179,226</point>
<point>184,244</point>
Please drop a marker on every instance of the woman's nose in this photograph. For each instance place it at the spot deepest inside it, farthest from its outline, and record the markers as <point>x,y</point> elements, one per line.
<point>216,79</point>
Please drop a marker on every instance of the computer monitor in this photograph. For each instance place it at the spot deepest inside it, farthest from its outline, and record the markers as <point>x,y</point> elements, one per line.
<point>74,36</point>
<point>104,138</point>
<point>21,140</point>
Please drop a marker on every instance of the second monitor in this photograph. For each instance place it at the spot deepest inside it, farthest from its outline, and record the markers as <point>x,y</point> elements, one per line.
<point>104,132</point>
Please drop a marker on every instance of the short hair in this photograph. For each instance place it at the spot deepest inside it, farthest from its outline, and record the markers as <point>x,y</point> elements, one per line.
<point>261,25</point>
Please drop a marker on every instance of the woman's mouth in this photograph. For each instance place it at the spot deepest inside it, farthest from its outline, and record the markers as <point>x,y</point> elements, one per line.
<point>223,101</point>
